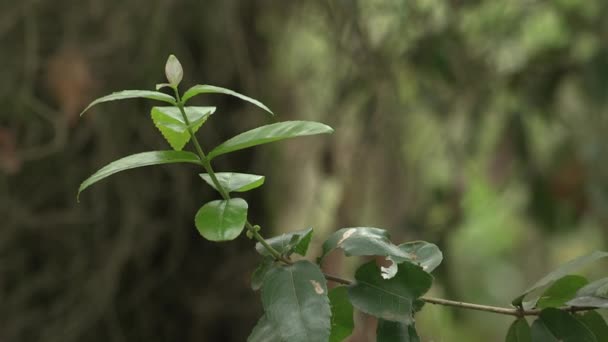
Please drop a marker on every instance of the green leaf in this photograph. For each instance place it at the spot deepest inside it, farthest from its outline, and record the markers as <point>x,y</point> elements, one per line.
<point>174,71</point>
<point>390,299</point>
<point>519,331</point>
<point>162,85</point>
<point>342,322</point>
<point>595,323</point>
<point>540,332</point>
<point>295,301</point>
<point>270,133</point>
<point>222,220</point>
<point>561,291</point>
<point>257,277</point>
<point>288,243</point>
<point>426,255</point>
<point>264,331</point>
<point>389,331</point>
<point>209,89</point>
<point>131,94</point>
<point>562,326</point>
<point>594,294</point>
<point>362,241</point>
<point>235,182</point>
<point>563,270</point>
<point>171,124</point>
<point>139,160</point>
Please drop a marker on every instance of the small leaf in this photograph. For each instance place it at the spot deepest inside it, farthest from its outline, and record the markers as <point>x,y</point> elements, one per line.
<point>264,331</point>
<point>342,322</point>
<point>171,124</point>
<point>563,270</point>
<point>209,89</point>
<point>363,241</point>
<point>162,85</point>
<point>563,326</point>
<point>288,243</point>
<point>295,301</point>
<point>139,160</point>
<point>519,331</point>
<point>594,294</point>
<point>561,291</point>
<point>595,323</point>
<point>389,331</point>
<point>222,220</point>
<point>234,182</point>
<point>174,71</point>
<point>270,133</point>
<point>426,255</point>
<point>390,299</point>
<point>132,94</point>
<point>257,278</point>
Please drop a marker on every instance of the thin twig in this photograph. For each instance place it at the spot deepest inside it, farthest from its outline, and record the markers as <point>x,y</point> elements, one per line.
<point>478,307</point>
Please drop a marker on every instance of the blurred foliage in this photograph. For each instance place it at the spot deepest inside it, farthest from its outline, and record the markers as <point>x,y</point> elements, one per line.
<point>478,125</point>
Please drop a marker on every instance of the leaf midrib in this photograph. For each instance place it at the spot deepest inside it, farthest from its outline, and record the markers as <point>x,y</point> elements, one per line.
<point>298,302</point>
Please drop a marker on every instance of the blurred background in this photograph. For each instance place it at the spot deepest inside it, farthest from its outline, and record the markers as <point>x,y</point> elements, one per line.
<point>480,126</point>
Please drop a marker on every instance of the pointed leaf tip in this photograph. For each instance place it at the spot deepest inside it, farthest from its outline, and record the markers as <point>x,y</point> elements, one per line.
<point>209,89</point>
<point>138,160</point>
<point>270,133</point>
<point>132,94</point>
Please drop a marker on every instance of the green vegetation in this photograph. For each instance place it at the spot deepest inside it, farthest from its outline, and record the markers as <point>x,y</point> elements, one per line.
<point>297,304</point>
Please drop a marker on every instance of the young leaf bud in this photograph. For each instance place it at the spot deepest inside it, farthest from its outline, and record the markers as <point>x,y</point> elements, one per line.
<point>174,71</point>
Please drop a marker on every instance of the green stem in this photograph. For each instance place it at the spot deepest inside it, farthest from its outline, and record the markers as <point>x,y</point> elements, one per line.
<point>207,166</point>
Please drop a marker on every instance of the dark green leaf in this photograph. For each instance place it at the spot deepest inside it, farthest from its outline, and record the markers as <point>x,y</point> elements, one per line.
<point>295,301</point>
<point>563,326</point>
<point>139,160</point>
<point>288,243</point>
<point>270,133</point>
<point>563,270</point>
<point>171,124</point>
<point>222,220</point>
<point>595,294</point>
<point>540,332</point>
<point>264,331</point>
<point>209,89</point>
<point>595,323</point>
<point>342,322</point>
<point>425,254</point>
<point>389,331</point>
<point>360,241</point>
<point>390,299</point>
<point>174,71</point>
<point>235,182</point>
<point>418,305</point>
<point>257,278</point>
<point>132,94</point>
<point>561,291</point>
<point>519,331</point>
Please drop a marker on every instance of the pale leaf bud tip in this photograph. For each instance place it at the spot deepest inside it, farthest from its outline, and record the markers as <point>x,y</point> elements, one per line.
<point>174,71</point>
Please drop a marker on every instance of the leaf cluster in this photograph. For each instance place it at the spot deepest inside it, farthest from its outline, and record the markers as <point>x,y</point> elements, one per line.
<point>298,304</point>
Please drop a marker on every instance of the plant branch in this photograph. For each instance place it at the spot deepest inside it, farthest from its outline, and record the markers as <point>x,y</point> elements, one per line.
<point>477,307</point>
<point>225,195</point>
